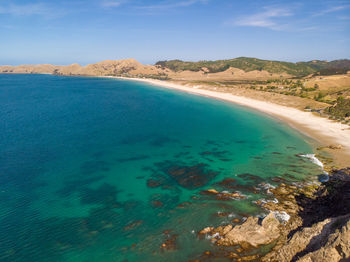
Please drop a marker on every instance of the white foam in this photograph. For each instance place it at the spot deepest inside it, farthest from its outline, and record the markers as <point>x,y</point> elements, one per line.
<point>275,200</point>
<point>267,187</point>
<point>264,201</point>
<point>231,215</point>
<point>282,216</point>
<point>316,161</point>
<point>313,159</point>
<point>216,235</point>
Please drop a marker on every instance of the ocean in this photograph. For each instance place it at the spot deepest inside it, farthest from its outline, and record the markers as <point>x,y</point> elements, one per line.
<point>101,169</point>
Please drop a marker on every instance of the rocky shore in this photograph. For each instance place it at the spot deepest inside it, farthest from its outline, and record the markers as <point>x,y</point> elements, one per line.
<point>304,223</point>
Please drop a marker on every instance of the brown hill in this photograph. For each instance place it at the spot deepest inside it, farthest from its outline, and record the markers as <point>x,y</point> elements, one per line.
<point>125,67</point>
<point>29,69</point>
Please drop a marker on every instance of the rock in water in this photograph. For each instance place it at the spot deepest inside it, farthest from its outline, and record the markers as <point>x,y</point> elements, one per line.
<point>206,230</point>
<point>249,233</point>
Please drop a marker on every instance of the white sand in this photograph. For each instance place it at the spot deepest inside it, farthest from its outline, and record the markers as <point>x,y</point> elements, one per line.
<point>323,130</point>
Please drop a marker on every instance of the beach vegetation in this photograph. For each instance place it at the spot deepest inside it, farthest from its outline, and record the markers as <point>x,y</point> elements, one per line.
<point>341,109</point>
<point>319,96</point>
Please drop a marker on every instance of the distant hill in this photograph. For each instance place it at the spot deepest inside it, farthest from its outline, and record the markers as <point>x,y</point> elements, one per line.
<point>124,67</point>
<point>250,64</point>
<point>319,64</point>
<point>330,68</point>
<point>231,69</point>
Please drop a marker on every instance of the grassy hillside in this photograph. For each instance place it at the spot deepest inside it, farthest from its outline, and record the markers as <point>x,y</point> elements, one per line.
<point>249,64</point>
<point>336,64</point>
<point>329,68</point>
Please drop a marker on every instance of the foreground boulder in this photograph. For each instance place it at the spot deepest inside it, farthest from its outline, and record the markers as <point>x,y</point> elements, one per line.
<point>253,233</point>
<point>250,233</point>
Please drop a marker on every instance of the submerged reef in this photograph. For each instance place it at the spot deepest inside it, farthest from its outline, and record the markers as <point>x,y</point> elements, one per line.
<point>187,176</point>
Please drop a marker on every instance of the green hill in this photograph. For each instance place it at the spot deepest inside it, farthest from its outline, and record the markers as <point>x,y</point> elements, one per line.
<point>249,64</point>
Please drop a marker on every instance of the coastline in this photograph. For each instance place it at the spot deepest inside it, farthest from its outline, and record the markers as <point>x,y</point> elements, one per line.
<point>325,131</point>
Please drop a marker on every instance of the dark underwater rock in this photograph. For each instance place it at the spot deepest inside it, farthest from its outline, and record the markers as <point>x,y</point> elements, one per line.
<point>170,243</point>
<point>157,203</point>
<point>214,153</point>
<point>167,201</point>
<point>228,182</point>
<point>153,183</point>
<point>251,178</point>
<point>190,177</point>
<point>232,184</point>
<point>106,195</point>
<point>133,225</point>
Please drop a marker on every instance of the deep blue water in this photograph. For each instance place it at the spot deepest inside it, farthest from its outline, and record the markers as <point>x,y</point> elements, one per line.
<point>95,169</point>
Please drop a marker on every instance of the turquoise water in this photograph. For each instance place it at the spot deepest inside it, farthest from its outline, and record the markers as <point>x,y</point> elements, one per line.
<point>95,169</point>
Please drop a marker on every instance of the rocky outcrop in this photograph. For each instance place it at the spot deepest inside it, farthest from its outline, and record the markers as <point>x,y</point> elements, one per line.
<point>252,233</point>
<point>223,195</point>
<point>306,223</point>
<point>324,222</point>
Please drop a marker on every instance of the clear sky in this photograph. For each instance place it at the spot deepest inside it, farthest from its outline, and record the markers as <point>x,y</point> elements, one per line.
<point>88,31</point>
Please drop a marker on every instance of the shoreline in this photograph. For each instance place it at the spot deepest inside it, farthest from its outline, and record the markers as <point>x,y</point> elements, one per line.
<point>325,131</point>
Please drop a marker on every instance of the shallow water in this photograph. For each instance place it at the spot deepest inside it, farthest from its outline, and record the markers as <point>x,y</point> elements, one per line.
<point>95,169</point>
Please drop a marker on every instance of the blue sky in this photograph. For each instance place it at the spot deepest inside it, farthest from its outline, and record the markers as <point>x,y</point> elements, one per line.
<point>88,31</point>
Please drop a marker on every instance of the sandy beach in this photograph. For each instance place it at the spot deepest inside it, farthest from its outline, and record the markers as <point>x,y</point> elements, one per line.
<point>324,131</point>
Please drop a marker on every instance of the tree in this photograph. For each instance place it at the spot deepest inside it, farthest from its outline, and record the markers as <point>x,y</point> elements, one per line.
<point>320,96</point>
